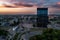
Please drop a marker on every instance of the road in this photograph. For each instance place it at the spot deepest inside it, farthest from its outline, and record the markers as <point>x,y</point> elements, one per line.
<point>30,34</point>
<point>1,38</point>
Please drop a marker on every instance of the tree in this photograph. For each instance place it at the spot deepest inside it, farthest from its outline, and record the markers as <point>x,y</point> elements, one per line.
<point>48,34</point>
<point>3,32</point>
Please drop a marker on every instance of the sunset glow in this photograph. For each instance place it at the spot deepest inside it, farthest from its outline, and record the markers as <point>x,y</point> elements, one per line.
<point>28,6</point>
<point>2,3</point>
<point>58,3</point>
<point>11,8</point>
<point>17,10</point>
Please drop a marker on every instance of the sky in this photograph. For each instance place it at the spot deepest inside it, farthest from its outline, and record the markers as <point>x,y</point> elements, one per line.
<point>29,6</point>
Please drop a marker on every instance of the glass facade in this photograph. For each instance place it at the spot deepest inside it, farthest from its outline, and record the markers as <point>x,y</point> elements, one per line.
<point>42,17</point>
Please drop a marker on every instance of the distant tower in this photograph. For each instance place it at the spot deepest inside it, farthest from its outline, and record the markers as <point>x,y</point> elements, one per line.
<point>42,17</point>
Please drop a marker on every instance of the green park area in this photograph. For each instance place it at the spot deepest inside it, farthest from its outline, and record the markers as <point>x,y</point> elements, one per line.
<point>48,34</point>
<point>3,32</point>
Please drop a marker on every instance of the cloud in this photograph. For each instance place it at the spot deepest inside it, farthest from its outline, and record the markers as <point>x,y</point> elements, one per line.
<point>8,6</point>
<point>24,4</point>
<point>39,3</point>
<point>17,5</point>
<point>54,10</point>
<point>33,3</point>
<point>56,5</point>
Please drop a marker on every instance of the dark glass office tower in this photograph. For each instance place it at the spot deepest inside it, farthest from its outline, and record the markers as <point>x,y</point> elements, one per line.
<point>42,17</point>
